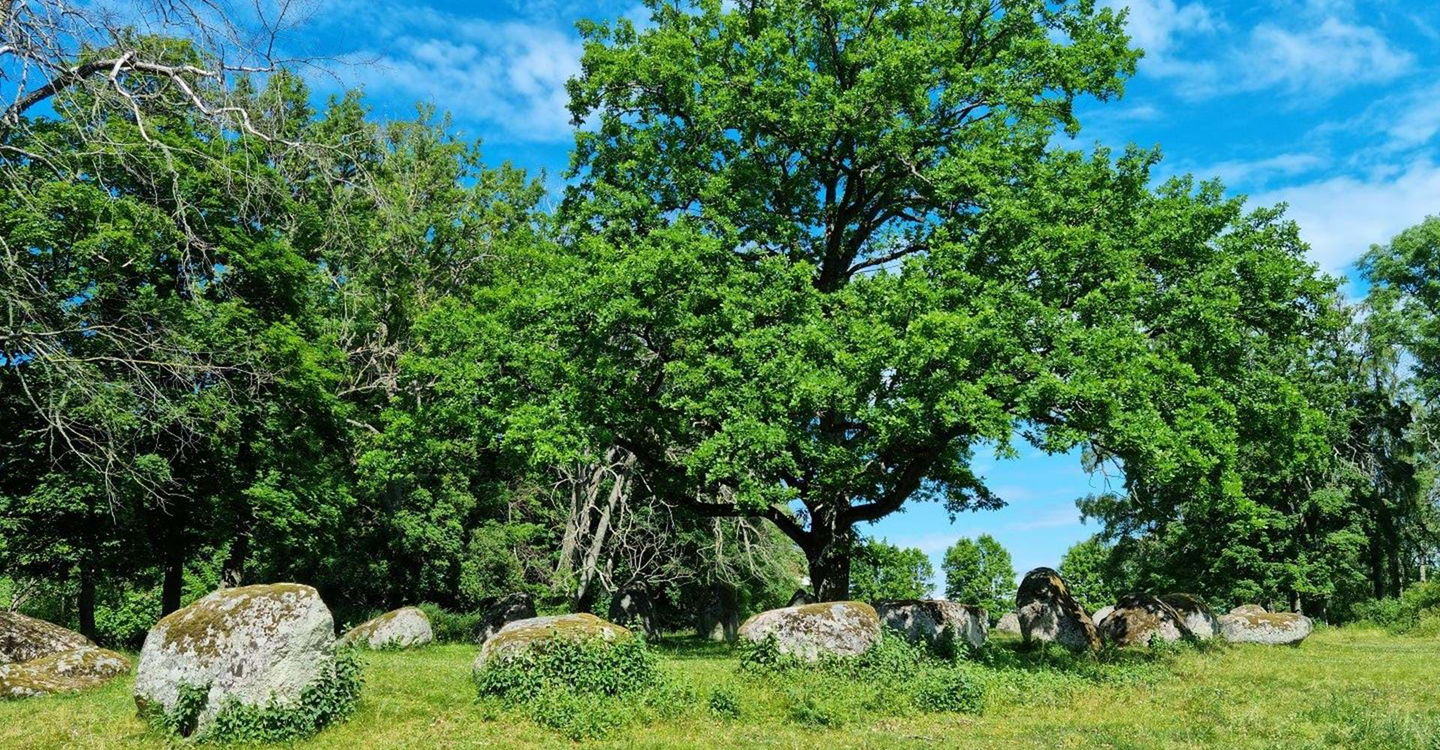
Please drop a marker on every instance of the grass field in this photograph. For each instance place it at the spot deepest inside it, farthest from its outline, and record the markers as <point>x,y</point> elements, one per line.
<point>1342,688</point>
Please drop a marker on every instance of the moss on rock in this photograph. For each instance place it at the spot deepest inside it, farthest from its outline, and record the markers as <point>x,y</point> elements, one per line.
<point>520,635</point>
<point>63,672</point>
<point>815,631</point>
<point>23,638</point>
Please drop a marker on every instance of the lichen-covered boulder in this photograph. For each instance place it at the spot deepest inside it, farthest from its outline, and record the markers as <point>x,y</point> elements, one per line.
<point>1140,619</point>
<point>1195,613</point>
<point>1009,623</point>
<point>1048,613</point>
<point>258,646</point>
<point>1249,609</point>
<point>1101,614</point>
<point>813,631</point>
<point>406,627</point>
<point>520,636</point>
<point>61,672</point>
<point>927,620</point>
<point>1271,628</point>
<point>24,638</point>
<point>504,610</point>
<point>631,608</point>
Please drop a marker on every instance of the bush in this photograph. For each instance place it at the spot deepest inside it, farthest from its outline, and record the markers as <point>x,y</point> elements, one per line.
<point>949,690</point>
<point>452,627</point>
<point>578,666</point>
<point>725,702</point>
<point>1402,614</point>
<point>578,716</point>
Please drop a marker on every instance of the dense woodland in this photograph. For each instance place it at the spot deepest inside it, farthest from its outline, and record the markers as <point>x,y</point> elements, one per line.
<point>812,258</point>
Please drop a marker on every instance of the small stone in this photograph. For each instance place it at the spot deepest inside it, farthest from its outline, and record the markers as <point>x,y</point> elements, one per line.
<point>812,631</point>
<point>1009,623</point>
<point>406,627</point>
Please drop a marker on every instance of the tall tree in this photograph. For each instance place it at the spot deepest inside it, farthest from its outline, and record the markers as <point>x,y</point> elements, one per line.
<point>979,572</point>
<point>885,571</point>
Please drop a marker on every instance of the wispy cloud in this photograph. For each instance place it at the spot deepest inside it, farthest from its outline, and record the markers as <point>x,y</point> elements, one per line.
<point>1051,519</point>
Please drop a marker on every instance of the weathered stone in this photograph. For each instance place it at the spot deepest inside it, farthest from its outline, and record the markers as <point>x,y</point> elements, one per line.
<point>1140,619</point>
<point>1048,613</point>
<point>927,620</point>
<point>631,608</point>
<point>24,638</point>
<point>61,672</point>
<point>406,627</point>
<point>812,631</point>
<point>1101,614</point>
<point>502,611</point>
<point>719,617</point>
<point>1271,628</point>
<point>1009,623</point>
<point>1249,609</point>
<point>1195,613</point>
<point>801,596</point>
<point>252,646</point>
<point>521,635</point>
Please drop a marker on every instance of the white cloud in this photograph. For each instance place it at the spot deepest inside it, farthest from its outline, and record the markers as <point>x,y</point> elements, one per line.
<point>1159,26</point>
<point>1239,173</point>
<point>1052,519</point>
<point>1321,59</point>
<point>1341,217</point>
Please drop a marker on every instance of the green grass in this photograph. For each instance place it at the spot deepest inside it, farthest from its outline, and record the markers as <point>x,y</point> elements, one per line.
<point>1342,688</point>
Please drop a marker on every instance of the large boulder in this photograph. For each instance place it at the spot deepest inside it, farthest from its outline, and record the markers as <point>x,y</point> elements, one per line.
<point>520,636</point>
<point>1140,619</point>
<point>256,646</point>
<point>24,638</point>
<point>402,628</point>
<point>1249,609</point>
<point>503,610</point>
<point>61,672</point>
<point>927,620</point>
<point>813,631</point>
<point>631,608</point>
<point>1195,613</point>
<point>719,615</point>
<point>1009,623</point>
<point>1049,613</point>
<point>1102,613</point>
<point>1271,628</point>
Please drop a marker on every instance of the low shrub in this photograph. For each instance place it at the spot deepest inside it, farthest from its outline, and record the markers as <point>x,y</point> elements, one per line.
<point>452,627</point>
<point>950,690</point>
<point>1405,613</point>
<point>578,666</point>
<point>725,702</point>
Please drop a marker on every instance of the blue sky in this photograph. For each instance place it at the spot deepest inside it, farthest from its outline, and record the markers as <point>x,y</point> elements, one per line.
<point>1331,106</point>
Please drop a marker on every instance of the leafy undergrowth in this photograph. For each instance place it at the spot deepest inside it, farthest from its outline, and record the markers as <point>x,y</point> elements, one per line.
<point>1342,688</point>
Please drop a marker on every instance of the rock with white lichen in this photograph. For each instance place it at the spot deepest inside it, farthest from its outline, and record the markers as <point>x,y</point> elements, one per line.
<point>406,627</point>
<point>23,638</point>
<point>61,672</point>
<point>813,631</point>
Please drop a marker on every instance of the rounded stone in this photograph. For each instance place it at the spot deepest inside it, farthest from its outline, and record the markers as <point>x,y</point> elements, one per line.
<point>406,627</point>
<point>23,638</point>
<point>1101,614</point>
<point>926,620</point>
<point>1249,609</point>
<point>520,636</point>
<point>1141,619</point>
<point>813,631</point>
<point>1009,623</point>
<point>1195,613</point>
<point>1049,613</point>
<point>503,610</point>
<point>1270,628</point>
<point>61,672</point>
<point>252,646</point>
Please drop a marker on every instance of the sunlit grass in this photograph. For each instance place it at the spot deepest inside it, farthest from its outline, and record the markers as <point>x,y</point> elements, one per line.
<point>1345,688</point>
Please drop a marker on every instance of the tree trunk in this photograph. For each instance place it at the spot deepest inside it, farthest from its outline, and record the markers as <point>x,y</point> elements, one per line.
<point>86,604</point>
<point>232,572</point>
<point>173,584</point>
<point>828,555</point>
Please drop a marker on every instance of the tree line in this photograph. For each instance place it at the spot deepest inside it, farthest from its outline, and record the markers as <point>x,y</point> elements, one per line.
<point>810,259</point>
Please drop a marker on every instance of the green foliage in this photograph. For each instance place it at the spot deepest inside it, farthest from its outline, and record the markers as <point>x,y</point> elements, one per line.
<point>452,627</point>
<point>880,570</point>
<point>1092,575</point>
<point>979,572</point>
<point>575,665</point>
<point>1413,612</point>
<point>950,691</point>
<point>724,702</point>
